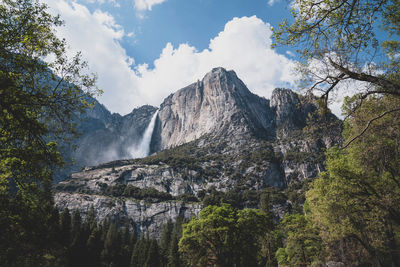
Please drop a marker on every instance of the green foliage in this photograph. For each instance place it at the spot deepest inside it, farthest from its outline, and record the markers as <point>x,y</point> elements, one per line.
<point>356,202</point>
<point>149,193</point>
<point>303,244</point>
<point>345,40</point>
<point>153,256</point>
<point>239,198</point>
<point>165,240</point>
<point>36,104</point>
<point>37,101</point>
<point>184,156</point>
<point>224,236</point>
<point>187,197</point>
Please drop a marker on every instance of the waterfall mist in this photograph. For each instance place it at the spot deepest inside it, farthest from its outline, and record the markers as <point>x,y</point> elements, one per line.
<point>143,148</point>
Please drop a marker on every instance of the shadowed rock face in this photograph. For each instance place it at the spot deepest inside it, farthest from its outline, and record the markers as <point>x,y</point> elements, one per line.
<point>105,137</point>
<point>211,135</point>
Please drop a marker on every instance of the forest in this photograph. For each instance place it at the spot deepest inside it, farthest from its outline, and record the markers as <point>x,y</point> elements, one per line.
<point>349,215</point>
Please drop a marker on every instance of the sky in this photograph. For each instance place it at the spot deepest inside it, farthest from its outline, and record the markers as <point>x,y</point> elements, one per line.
<point>144,50</point>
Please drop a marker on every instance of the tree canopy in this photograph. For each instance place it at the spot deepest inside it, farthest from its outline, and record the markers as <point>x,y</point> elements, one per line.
<point>224,236</point>
<point>355,203</point>
<point>41,89</point>
<point>342,41</point>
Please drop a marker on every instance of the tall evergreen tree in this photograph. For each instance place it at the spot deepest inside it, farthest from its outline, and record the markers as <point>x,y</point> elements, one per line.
<point>165,241</point>
<point>139,254</point>
<point>153,255</point>
<point>65,227</point>
<point>112,245</point>
<point>94,246</point>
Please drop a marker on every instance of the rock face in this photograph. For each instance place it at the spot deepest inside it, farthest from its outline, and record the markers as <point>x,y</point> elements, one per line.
<point>212,136</point>
<point>147,217</point>
<point>290,113</point>
<point>220,105</point>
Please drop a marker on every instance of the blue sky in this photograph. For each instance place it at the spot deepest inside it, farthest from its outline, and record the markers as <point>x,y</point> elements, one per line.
<point>183,21</point>
<point>143,50</point>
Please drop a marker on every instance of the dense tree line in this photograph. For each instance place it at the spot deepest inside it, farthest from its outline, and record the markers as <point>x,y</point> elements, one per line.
<point>110,243</point>
<point>68,240</point>
<point>222,236</point>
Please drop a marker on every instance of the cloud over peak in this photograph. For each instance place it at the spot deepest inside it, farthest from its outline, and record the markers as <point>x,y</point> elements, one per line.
<point>243,46</point>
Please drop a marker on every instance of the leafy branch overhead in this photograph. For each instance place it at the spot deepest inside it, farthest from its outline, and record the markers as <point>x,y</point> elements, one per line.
<point>351,45</point>
<point>41,91</point>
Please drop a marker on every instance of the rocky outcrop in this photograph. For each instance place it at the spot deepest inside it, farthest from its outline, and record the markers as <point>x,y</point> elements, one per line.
<point>290,111</point>
<point>144,216</point>
<point>219,105</point>
<point>177,172</point>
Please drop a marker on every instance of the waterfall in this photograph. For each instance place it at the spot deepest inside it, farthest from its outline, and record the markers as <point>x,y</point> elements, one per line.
<point>143,148</point>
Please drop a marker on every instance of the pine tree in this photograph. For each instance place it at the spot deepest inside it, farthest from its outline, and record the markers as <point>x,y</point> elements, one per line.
<point>76,224</point>
<point>78,246</point>
<point>139,254</point>
<point>133,237</point>
<point>126,248</point>
<point>153,256</point>
<point>165,241</point>
<point>90,219</point>
<point>94,247</point>
<point>135,255</point>
<point>112,244</point>
<point>173,254</point>
<point>65,227</point>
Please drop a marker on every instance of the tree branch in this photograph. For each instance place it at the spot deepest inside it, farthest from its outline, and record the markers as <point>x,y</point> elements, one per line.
<point>368,125</point>
<point>390,87</point>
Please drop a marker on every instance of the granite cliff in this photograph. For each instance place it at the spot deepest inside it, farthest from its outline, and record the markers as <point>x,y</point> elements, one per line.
<point>211,139</point>
<point>219,105</point>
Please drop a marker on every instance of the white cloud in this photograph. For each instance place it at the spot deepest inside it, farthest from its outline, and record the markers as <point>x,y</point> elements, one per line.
<point>147,4</point>
<point>113,2</point>
<point>97,35</point>
<point>290,53</point>
<point>243,45</point>
<point>272,2</point>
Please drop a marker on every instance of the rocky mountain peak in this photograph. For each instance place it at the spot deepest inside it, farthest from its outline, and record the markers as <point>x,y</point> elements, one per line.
<point>291,110</point>
<point>220,104</point>
<point>226,83</point>
<point>286,105</point>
